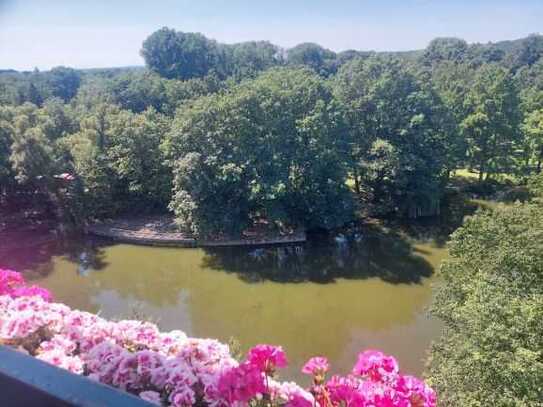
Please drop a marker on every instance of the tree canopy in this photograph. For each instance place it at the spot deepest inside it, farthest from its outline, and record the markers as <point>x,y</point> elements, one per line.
<point>269,148</point>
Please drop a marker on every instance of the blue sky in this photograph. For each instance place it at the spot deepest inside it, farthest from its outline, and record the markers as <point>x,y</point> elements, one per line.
<point>101,33</point>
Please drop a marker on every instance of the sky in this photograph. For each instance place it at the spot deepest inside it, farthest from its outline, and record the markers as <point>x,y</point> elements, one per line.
<point>108,33</point>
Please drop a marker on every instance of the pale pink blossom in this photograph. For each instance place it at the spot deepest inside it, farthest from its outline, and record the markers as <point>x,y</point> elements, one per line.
<point>151,396</point>
<point>317,365</point>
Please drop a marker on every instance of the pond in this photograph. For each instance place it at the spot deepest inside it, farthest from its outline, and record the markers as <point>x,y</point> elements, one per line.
<point>330,298</point>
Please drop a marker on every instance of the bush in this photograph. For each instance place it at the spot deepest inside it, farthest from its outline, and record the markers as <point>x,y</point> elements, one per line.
<point>491,301</point>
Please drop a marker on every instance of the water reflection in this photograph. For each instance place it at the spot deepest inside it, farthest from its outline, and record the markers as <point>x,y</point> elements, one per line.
<point>385,256</point>
<point>319,298</point>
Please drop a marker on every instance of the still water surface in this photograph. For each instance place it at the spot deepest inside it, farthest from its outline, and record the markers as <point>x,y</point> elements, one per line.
<point>314,299</point>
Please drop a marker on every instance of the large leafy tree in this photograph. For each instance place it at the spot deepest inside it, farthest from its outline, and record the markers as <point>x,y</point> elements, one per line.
<point>269,148</point>
<point>491,127</point>
<point>175,54</point>
<point>445,49</point>
<point>248,58</point>
<point>490,299</point>
<point>32,152</point>
<point>384,102</point>
<point>116,156</point>
<point>63,82</point>
<point>321,60</point>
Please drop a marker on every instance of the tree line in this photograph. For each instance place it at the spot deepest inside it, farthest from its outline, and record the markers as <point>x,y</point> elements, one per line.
<point>226,136</point>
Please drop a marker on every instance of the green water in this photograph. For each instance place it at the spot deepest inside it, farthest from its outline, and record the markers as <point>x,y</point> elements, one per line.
<point>315,299</point>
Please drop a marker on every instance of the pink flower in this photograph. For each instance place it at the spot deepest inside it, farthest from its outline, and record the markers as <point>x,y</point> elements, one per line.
<point>267,358</point>
<point>9,280</point>
<point>241,384</point>
<point>342,390</point>
<point>291,394</point>
<point>317,365</point>
<point>58,358</point>
<point>376,365</point>
<point>182,397</point>
<point>59,342</point>
<point>151,396</point>
<point>416,392</point>
<point>32,291</point>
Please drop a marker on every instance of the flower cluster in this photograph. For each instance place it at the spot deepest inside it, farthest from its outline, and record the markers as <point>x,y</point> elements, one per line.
<point>170,369</point>
<point>375,381</point>
<point>14,285</point>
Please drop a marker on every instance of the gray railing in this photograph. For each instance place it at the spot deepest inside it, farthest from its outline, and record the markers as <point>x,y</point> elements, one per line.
<point>28,382</point>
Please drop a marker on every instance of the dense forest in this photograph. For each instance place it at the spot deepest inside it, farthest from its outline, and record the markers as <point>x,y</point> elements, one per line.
<point>229,135</point>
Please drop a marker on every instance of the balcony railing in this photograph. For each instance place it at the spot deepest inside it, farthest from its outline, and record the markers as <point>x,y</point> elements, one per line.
<point>28,382</point>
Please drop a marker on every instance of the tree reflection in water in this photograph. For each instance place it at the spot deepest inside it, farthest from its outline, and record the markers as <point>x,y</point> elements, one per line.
<point>376,254</point>
<point>35,260</point>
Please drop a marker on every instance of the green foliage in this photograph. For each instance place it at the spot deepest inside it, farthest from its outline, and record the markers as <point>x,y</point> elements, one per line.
<point>533,130</point>
<point>36,87</point>
<point>178,55</point>
<point>249,58</point>
<point>445,49</point>
<point>321,60</point>
<point>117,158</point>
<point>491,302</point>
<point>268,148</point>
<point>252,142</point>
<point>382,175</point>
<point>63,82</point>
<point>385,103</point>
<point>6,140</point>
<point>491,127</point>
<point>535,186</point>
<point>174,54</point>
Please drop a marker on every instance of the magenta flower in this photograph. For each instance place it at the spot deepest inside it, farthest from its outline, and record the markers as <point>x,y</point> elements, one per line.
<point>241,384</point>
<point>342,391</point>
<point>376,365</point>
<point>9,280</point>
<point>317,365</point>
<point>267,357</point>
<point>416,391</point>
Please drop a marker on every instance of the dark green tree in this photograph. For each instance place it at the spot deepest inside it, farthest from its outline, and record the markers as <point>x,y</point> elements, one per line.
<point>63,82</point>
<point>268,149</point>
<point>174,54</point>
<point>321,60</point>
<point>383,100</point>
<point>491,128</point>
<point>445,49</point>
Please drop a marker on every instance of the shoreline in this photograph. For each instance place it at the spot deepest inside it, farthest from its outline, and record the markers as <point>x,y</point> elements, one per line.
<point>159,231</point>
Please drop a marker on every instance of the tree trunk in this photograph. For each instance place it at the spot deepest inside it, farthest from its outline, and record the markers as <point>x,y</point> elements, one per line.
<point>356,184</point>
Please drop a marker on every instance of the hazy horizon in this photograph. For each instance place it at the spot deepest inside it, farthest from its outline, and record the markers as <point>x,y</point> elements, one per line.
<point>102,34</point>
